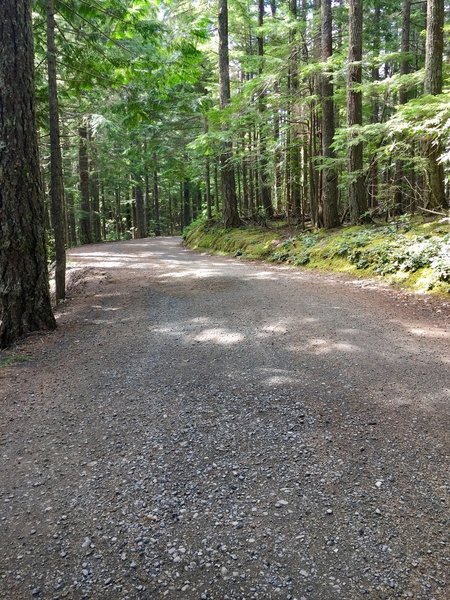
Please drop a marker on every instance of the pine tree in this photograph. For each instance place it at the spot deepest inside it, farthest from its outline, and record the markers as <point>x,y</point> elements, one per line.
<point>24,291</point>
<point>356,193</point>
<point>56,168</point>
<point>329,188</point>
<point>229,200</point>
<point>434,192</point>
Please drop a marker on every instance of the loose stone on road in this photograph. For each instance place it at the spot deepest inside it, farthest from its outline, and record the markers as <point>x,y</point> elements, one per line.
<point>204,428</point>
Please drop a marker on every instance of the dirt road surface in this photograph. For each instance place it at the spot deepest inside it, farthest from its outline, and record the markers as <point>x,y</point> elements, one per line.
<point>204,428</point>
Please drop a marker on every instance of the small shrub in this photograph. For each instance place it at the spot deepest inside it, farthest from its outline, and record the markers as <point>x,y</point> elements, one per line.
<point>302,259</point>
<point>279,256</point>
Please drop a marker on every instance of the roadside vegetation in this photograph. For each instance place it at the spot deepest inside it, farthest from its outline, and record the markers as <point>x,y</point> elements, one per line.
<point>410,251</point>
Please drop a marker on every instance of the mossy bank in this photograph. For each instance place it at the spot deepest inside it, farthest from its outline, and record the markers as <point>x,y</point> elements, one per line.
<point>409,252</point>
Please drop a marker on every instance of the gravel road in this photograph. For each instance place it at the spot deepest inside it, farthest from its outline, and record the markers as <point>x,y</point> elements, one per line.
<point>204,428</point>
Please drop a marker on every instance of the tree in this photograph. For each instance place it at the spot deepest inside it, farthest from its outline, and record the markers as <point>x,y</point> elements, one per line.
<point>265,189</point>
<point>434,191</point>
<point>56,168</point>
<point>229,200</point>
<point>356,192</point>
<point>403,92</point>
<point>329,187</point>
<point>83,170</point>
<point>24,290</point>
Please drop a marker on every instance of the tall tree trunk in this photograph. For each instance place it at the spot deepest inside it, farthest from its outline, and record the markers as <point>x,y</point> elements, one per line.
<point>170,211</point>
<point>105,209</point>
<point>208,188</point>
<point>128,213</point>
<point>216,187</point>
<point>56,167</point>
<point>329,189</point>
<point>266,195</point>
<point>83,168</point>
<point>405,49</point>
<point>156,199</point>
<point>315,132</point>
<point>117,216</point>
<point>194,203</point>
<point>403,95</point>
<point>199,199</point>
<point>140,225</point>
<point>375,117</point>
<point>229,200</point>
<point>71,223</point>
<point>94,185</point>
<point>24,292</point>
<point>434,191</point>
<point>356,192</point>
<point>186,213</point>
<point>244,166</point>
<point>207,176</point>
<point>294,167</point>
<point>278,176</point>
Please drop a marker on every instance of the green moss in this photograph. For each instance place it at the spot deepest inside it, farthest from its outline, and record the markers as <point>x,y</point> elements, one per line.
<point>409,252</point>
<point>11,359</point>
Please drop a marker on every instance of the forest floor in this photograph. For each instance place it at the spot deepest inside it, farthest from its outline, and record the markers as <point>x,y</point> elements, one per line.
<point>200,427</point>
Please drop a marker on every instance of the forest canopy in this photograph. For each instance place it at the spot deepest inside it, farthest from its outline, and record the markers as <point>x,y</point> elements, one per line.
<point>330,103</point>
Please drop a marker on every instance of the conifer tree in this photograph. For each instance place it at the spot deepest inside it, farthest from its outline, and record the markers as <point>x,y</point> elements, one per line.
<point>24,290</point>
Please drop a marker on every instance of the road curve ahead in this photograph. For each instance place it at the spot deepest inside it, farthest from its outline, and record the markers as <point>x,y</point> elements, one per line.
<point>205,428</point>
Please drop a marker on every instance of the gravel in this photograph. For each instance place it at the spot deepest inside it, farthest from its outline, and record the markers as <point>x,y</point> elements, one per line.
<point>204,428</point>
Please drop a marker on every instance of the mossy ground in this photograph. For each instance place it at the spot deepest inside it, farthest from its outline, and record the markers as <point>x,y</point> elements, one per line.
<point>411,252</point>
<point>11,359</point>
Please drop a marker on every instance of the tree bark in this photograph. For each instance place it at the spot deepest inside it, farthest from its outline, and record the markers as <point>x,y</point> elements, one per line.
<point>94,187</point>
<point>216,187</point>
<point>372,199</point>
<point>405,48</point>
<point>56,167</point>
<point>229,200</point>
<point>403,96</point>
<point>266,195</point>
<point>83,168</point>
<point>105,210</point>
<point>24,292</point>
<point>71,222</point>
<point>329,188</point>
<point>356,193</point>
<point>435,190</point>
<point>315,146</point>
<point>156,199</point>
<point>141,229</point>
<point>186,213</point>
<point>207,176</point>
<point>208,188</point>
<point>117,215</point>
<point>294,154</point>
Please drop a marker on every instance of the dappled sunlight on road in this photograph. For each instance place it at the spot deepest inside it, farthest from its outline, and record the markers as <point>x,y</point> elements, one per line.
<point>294,328</point>
<point>320,346</point>
<point>263,276</point>
<point>220,336</point>
<point>201,273</point>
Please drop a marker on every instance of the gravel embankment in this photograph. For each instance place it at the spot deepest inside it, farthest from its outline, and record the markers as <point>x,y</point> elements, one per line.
<point>202,428</point>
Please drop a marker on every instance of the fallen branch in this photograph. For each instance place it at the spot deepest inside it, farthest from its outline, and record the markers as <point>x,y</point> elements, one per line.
<point>433,212</point>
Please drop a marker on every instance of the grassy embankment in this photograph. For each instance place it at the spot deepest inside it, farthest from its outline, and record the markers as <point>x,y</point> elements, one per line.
<point>411,252</point>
